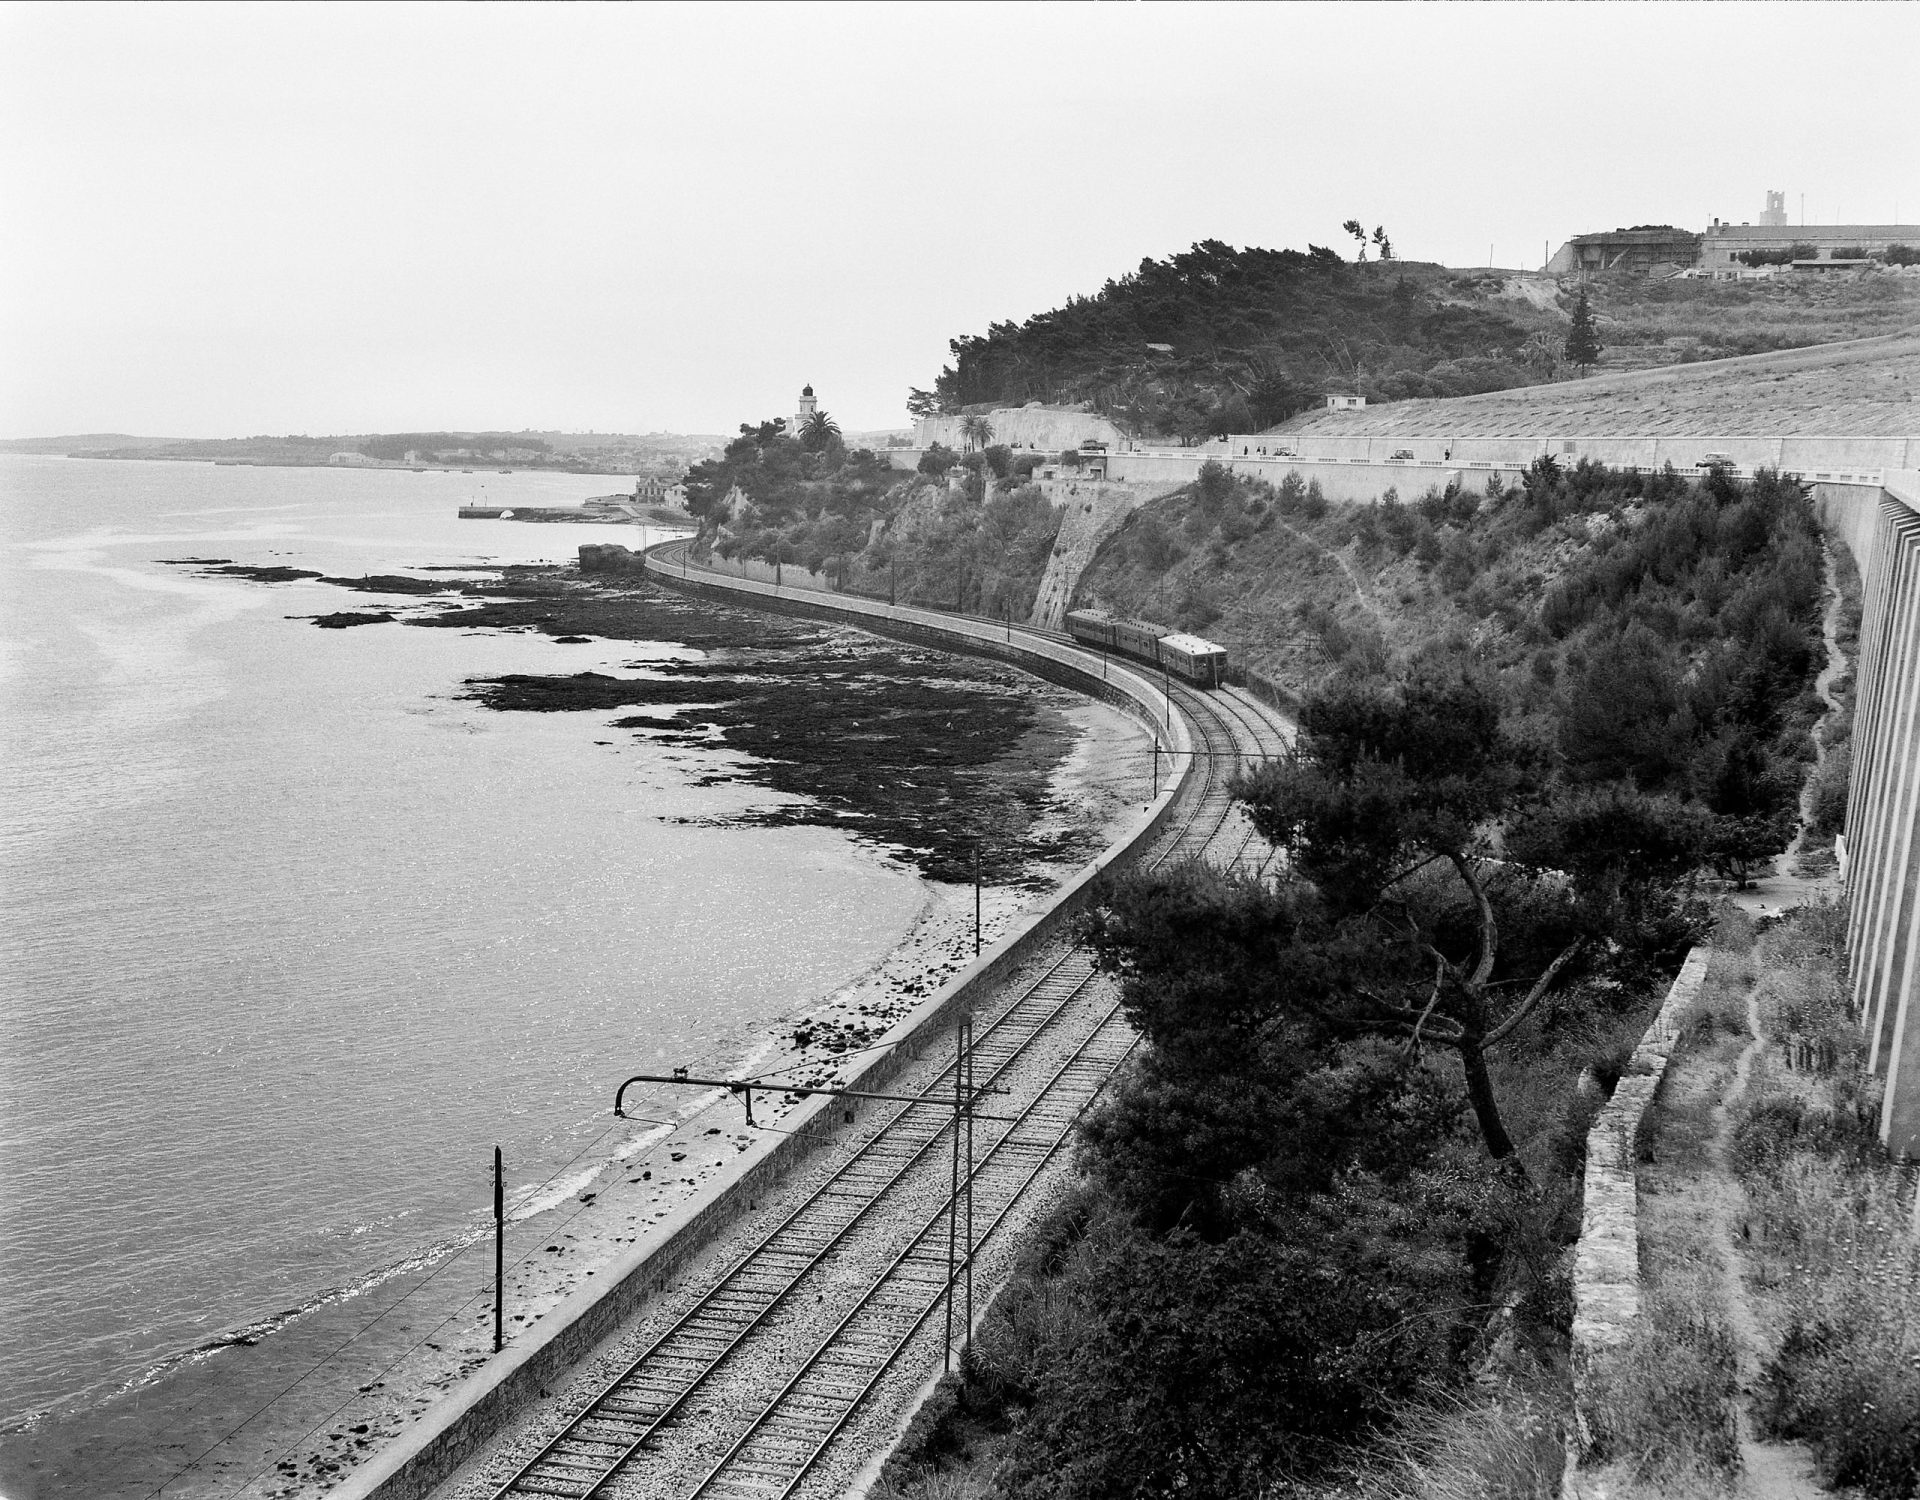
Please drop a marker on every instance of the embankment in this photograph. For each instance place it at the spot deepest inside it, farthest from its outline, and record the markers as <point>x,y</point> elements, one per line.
<point>472,1412</point>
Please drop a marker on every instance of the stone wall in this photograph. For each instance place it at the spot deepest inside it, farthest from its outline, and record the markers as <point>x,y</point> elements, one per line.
<point>1047,429</point>
<point>1606,1266</point>
<point>1093,512</point>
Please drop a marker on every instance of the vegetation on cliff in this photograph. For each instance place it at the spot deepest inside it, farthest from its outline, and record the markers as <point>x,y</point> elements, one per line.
<point>1335,1189</point>
<point>962,533</point>
<point>1215,339</point>
<point>1650,629</point>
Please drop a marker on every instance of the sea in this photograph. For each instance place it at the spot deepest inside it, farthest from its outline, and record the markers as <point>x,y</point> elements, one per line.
<point>293,935</point>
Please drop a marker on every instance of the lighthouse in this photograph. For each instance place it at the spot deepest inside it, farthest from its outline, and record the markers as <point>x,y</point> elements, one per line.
<point>807,407</point>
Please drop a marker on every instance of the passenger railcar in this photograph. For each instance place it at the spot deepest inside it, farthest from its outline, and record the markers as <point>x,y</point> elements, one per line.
<point>1197,660</point>
<point>1187,657</point>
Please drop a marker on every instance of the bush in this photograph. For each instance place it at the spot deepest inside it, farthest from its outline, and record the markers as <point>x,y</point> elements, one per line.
<point>1901,255</point>
<point>1798,251</point>
<point>1663,1403</point>
<point>937,460</point>
<point>1831,782</point>
<point>1855,1402</point>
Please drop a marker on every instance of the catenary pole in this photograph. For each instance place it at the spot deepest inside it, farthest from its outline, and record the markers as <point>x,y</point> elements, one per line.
<point>953,1191</point>
<point>967,1332</point>
<point>500,1255</point>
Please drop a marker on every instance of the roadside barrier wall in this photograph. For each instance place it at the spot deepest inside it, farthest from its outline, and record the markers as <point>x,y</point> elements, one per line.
<point>463,1420</point>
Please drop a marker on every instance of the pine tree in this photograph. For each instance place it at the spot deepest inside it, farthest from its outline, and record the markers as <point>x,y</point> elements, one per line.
<point>1583,341</point>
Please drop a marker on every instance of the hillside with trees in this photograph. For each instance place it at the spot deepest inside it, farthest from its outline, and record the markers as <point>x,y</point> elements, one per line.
<point>1217,339</point>
<point>1322,1219</point>
<point>1645,627</point>
<point>964,532</point>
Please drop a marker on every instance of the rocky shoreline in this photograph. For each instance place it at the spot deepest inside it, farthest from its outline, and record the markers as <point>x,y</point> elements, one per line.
<point>915,752</point>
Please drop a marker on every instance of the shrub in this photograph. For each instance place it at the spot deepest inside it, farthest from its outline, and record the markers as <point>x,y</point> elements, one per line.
<point>1830,785</point>
<point>1846,1380</point>
<point>1901,255</point>
<point>1857,1407</point>
<point>1663,1403</point>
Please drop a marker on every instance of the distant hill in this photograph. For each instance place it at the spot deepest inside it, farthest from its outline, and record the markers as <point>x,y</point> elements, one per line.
<point>84,442</point>
<point>1216,339</point>
<point>662,453</point>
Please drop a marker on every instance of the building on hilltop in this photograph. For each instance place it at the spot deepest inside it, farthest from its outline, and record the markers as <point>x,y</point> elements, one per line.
<point>1724,244</point>
<point>808,406</point>
<point>1775,213</point>
<point>1645,248</point>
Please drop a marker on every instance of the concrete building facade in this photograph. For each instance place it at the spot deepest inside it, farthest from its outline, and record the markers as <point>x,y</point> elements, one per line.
<point>1723,244</point>
<point>1883,850</point>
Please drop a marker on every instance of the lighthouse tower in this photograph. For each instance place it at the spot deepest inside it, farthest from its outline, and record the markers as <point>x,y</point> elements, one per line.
<point>807,407</point>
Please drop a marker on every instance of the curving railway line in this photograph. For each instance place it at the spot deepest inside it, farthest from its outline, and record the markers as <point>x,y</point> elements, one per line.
<point>751,1386</point>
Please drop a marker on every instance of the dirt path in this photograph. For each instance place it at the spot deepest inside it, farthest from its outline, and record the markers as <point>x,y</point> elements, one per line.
<point>1359,589</point>
<point>1782,889</point>
<point>1768,1470</point>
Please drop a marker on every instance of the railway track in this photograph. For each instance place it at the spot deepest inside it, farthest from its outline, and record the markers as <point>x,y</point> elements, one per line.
<point>873,1235</point>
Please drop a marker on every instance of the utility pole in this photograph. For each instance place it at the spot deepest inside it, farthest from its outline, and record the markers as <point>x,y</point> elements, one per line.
<point>499,1254</point>
<point>971,1099</point>
<point>976,898</point>
<point>953,1189</point>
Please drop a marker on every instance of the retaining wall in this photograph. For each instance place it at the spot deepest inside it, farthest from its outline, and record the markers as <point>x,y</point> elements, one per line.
<point>1883,848</point>
<point>1606,1265</point>
<point>460,1422</point>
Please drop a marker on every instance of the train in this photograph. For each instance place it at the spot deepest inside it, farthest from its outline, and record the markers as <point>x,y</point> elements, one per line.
<point>1187,657</point>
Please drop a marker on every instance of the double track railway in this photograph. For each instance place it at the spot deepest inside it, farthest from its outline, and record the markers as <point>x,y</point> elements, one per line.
<point>748,1391</point>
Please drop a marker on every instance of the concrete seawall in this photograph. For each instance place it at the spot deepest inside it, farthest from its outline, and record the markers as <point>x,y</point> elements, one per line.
<point>455,1426</point>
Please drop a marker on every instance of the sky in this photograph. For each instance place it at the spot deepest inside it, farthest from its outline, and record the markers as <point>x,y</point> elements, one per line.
<point>245,218</point>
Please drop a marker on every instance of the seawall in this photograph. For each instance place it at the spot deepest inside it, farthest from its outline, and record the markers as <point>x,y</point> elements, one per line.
<point>458,1423</point>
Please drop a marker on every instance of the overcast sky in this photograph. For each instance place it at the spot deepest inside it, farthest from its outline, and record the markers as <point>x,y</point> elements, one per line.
<point>239,219</point>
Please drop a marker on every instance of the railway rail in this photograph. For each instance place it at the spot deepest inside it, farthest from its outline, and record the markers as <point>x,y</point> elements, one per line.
<point>873,1234</point>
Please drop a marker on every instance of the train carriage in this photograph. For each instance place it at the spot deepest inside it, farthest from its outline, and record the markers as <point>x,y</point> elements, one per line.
<point>1187,657</point>
<point>1199,661</point>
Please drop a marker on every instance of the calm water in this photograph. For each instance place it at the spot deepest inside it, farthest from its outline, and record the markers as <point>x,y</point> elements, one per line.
<point>291,936</point>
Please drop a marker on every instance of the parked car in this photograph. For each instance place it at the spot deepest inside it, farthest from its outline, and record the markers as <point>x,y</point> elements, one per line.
<point>1399,454</point>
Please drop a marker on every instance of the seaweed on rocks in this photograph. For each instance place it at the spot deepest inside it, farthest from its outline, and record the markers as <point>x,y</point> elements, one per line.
<point>346,618</point>
<point>256,572</point>
<point>390,583</point>
<point>901,746</point>
<point>924,753</point>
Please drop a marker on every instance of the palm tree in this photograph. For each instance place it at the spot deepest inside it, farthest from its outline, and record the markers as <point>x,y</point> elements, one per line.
<point>977,431</point>
<point>818,431</point>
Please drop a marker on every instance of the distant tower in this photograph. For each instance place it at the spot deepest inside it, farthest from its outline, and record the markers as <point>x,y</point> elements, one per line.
<point>1776,209</point>
<point>807,405</point>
